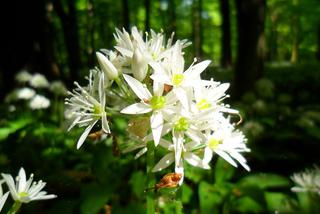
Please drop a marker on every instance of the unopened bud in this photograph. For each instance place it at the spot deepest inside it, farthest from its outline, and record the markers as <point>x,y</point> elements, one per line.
<point>139,65</point>
<point>107,67</point>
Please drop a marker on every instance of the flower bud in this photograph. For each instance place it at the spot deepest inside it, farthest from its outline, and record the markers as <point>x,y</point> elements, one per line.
<point>139,65</point>
<point>107,67</point>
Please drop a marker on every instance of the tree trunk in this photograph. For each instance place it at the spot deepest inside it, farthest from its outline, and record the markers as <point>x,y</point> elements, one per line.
<point>318,41</point>
<point>126,15</point>
<point>197,28</point>
<point>71,37</point>
<point>226,58</point>
<point>90,47</point>
<point>251,45</point>
<point>295,34</point>
<point>172,24</point>
<point>147,10</point>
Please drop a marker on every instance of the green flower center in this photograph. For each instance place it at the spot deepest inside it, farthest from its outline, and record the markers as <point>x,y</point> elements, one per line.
<point>157,102</point>
<point>177,79</point>
<point>23,194</point>
<point>97,110</point>
<point>213,143</point>
<point>203,104</point>
<point>181,125</point>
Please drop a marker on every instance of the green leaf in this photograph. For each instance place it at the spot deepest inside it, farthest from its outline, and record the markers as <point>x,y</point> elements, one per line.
<point>246,205</point>
<point>223,171</point>
<point>12,127</point>
<point>265,181</point>
<point>210,198</point>
<point>278,201</point>
<point>186,193</point>
<point>138,183</point>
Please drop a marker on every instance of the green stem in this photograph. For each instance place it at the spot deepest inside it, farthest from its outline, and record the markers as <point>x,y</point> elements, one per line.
<point>150,178</point>
<point>178,202</point>
<point>15,207</point>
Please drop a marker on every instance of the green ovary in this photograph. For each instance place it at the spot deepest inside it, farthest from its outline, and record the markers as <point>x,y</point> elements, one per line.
<point>97,110</point>
<point>203,104</point>
<point>177,79</point>
<point>181,125</point>
<point>157,102</point>
<point>23,194</point>
<point>213,143</point>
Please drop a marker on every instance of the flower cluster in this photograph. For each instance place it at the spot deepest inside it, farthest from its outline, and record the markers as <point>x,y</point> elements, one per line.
<point>23,190</point>
<point>168,103</point>
<point>32,90</point>
<point>307,181</point>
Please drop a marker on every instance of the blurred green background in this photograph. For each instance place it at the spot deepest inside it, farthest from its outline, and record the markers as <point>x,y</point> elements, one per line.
<point>269,50</point>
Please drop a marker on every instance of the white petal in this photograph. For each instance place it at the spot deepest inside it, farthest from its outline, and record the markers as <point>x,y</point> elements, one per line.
<point>166,161</point>
<point>208,153</point>
<point>178,145</point>
<point>198,68</point>
<point>226,156</point>
<point>124,51</point>
<point>85,134</point>
<point>138,88</point>
<point>182,96</point>
<point>156,121</point>
<point>136,108</point>
<point>22,180</point>
<point>10,183</point>
<point>157,88</point>
<point>166,144</point>
<point>105,125</point>
<point>141,152</point>
<point>162,78</point>
<point>107,66</point>
<point>194,160</point>
<point>3,200</point>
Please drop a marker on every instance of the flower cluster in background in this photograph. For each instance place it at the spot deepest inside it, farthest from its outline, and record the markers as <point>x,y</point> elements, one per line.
<point>23,190</point>
<point>307,181</point>
<point>167,102</point>
<point>33,89</point>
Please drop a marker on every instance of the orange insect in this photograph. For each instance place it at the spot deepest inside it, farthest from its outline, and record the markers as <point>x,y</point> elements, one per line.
<point>96,135</point>
<point>170,180</point>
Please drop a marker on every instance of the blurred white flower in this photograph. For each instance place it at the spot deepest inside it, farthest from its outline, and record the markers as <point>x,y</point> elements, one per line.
<point>58,88</point>
<point>25,93</point>
<point>227,143</point>
<point>39,81</point>
<point>23,76</point>
<point>24,190</point>
<point>3,197</point>
<point>39,102</point>
<point>307,181</point>
<point>87,105</point>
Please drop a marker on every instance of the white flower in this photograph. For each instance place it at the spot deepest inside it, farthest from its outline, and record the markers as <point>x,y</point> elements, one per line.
<point>308,181</point>
<point>3,197</point>
<point>227,143</point>
<point>171,72</point>
<point>57,87</point>
<point>25,93</point>
<point>39,102</point>
<point>39,81</point>
<point>158,104</point>
<point>23,76</point>
<point>87,105</point>
<point>24,190</point>
<point>107,67</point>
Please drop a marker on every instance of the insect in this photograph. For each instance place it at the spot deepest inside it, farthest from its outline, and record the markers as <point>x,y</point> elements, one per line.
<point>98,135</point>
<point>170,180</point>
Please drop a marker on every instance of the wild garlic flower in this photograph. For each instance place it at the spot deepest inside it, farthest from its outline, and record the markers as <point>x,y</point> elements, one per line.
<point>24,190</point>
<point>39,81</point>
<point>25,93</point>
<point>307,181</point>
<point>87,105</point>
<point>39,102</point>
<point>23,76</point>
<point>158,104</point>
<point>3,197</point>
<point>228,143</point>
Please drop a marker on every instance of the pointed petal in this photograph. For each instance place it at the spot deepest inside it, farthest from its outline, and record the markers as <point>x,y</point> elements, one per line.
<point>85,134</point>
<point>10,183</point>
<point>138,88</point>
<point>194,160</point>
<point>136,108</point>
<point>22,180</point>
<point>3,200</point>
<point>141,152</point>
<point>226,156</point>
<point>156,121</point>
<point>182,96</point>
<point>208,154</point>
<point>166,161</point>
<point>197,69</point>
<point>105,125</point>
<point>125,52</point>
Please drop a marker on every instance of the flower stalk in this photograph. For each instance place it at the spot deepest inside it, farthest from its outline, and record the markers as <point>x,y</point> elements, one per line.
<point>150,177</point>
<point>15,207</point>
